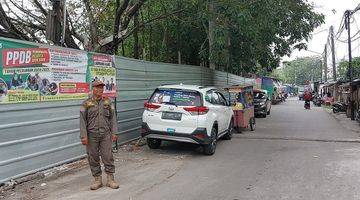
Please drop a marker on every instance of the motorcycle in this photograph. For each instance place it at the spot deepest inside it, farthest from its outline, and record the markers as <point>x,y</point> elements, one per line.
<point>357,115</point>
<point>283,99</point>
<point>339,107</point>
<point>317,101</point>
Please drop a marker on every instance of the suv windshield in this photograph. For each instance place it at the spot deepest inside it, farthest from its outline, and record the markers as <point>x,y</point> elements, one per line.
<point>176,97</point>
<point>259,95</point>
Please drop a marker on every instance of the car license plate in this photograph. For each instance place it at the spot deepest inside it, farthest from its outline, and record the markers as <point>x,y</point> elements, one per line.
<point>171,130</point>
<point>171,116</point>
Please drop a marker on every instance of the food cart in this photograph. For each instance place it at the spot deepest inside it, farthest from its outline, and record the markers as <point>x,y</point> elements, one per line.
<point>241,98</point>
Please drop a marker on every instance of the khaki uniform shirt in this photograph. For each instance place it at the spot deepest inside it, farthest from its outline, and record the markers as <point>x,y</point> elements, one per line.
<point>97,117</point>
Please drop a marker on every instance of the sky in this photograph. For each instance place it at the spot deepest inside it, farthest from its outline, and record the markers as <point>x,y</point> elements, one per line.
<point>333,11</point>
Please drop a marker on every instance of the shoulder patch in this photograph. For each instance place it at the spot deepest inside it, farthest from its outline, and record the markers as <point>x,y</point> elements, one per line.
<point>107,101</point>
<point>88,103</point>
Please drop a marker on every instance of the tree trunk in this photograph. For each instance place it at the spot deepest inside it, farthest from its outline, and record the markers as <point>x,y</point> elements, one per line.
<point>142,30</point>
<point>114,47</point>
<point>57,23</point>
<point>165,44</point>
<point>136,36</point>
<point>228,64</point>
<point>93,25</point>
<point>123,48</point>
<point>211,33</point>
<point>179,57</point>
<point>178,45</point>
<point>150,36</point>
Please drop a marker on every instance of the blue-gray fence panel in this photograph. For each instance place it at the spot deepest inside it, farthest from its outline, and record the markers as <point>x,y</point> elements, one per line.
<point>36,135</point>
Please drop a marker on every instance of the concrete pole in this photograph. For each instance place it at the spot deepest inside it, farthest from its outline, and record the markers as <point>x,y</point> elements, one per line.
<point>333,52</point>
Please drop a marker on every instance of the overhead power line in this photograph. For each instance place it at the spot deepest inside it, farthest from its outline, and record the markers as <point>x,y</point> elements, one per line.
<point>352,37</point>
<point>356,9</point>
<point>341,27</point>
<point>323,30</point>
<point>346,21</point>
<point>313,51</point>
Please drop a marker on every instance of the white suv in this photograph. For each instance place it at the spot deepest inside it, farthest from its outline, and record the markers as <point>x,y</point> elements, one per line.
<point>187,113</point>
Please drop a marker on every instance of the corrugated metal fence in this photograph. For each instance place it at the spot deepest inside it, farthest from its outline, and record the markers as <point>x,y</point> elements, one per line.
<point>37,136</point>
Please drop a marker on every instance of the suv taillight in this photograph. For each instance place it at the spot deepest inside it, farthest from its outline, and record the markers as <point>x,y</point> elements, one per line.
<point>199,110</point>
<point>150,107</point>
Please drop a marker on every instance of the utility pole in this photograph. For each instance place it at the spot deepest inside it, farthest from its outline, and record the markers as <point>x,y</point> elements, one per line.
<point>333,51</point>
<point>295,82</point>
<point>350,70</point>
<point>312,72</point>
<point>321,76</point>
<point>320,69</point>
<point>325,63</point>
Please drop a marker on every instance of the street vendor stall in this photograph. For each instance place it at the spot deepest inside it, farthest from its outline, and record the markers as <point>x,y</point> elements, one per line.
<point>242,100</point>
<point>355,97</point>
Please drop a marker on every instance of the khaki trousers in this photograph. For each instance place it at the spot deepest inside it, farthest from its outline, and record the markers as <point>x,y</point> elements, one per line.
<point>100,146</point>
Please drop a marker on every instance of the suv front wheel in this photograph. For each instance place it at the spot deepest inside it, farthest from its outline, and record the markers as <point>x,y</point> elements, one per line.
<point>209,149</point>
<point>153,143</point>
<point>229,133</point>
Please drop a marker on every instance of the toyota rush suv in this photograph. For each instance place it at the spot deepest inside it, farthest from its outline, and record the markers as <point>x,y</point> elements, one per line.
<point>187,113</point>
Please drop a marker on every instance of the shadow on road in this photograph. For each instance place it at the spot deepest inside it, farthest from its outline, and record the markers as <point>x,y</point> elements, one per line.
<point>179,148</point>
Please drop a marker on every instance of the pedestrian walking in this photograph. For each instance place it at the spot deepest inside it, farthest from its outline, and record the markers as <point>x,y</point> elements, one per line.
<point>307,98</point>
<point>98,128</point>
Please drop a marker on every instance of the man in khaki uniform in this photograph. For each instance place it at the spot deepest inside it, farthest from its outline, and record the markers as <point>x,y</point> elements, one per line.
<point>98,128</point>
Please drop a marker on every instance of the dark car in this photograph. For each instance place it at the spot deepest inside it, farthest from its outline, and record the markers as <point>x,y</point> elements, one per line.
<point>301,94</point>
<point>262,103</point>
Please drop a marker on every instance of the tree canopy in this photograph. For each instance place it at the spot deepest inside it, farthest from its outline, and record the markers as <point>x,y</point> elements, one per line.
<point>300,70</point>
<point>344,66</point>
<point>239,36</point>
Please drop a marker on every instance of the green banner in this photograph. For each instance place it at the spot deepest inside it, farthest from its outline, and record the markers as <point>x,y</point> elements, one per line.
<point>32,72</point>
<point>102,67</point>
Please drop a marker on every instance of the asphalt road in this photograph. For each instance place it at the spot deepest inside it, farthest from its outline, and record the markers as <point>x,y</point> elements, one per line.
<point>293,154</point>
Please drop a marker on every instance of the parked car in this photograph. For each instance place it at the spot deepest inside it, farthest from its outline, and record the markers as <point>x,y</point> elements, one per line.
<point>187,113</point>
<point>301,93</point>
<point>262,103</point>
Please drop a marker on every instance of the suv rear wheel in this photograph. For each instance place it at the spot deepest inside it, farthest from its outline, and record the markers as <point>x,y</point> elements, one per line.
<point>153,143</point>
<point>252,124</point>
<point>209,149</point>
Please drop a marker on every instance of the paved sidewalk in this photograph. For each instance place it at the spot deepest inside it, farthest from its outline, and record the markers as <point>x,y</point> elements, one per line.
<point>345,121</point>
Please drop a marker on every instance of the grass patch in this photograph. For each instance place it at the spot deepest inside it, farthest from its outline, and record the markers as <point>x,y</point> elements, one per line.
<point>329,108</point>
